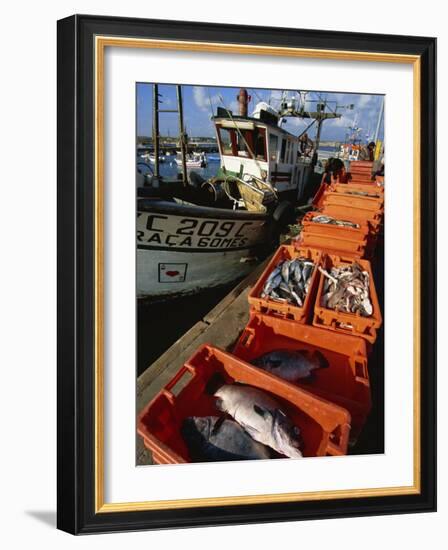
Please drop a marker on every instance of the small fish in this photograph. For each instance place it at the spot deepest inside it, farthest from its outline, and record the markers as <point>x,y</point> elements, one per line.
<point>285,271</point>
<point>322,219</point>
<point>307,270</point>
<point>261,416</point>
<point>213,438</point>
<point>362,194</point>
<point>272,284</point>
<point>274,273</point>
<point>285,287</point>
<point>291,365</point>
<point>297,271</point>
<point>297,298</point>
<point>289,281</point>
<point>334,221</point>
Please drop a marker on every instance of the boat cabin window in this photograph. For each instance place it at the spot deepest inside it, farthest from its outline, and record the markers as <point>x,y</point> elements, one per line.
<point>227,139</point>
<point>291,152</point>
<point>283,151</point>
<point>243,143</point>
<point>260,143</point>
<point>273,146</point>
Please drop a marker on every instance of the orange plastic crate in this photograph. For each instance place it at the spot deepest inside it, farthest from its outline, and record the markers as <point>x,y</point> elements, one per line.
<point>334,244</point>
<point>351,233</point>
<point>333,198</point>
<point>346,380</point>
<point>336,238</point>
<point>358,215</point>
<point>289,311</point>
<point>361,170</point>
<point>325,427</point>
<point>343,322</point>
<point>346,188</point>
<point>318,198</point>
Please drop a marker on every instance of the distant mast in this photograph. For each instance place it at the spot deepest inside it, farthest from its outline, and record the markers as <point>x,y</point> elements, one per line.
<point>155,130</point>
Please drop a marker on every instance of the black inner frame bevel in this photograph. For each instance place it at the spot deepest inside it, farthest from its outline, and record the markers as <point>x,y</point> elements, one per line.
<point>75,475</point>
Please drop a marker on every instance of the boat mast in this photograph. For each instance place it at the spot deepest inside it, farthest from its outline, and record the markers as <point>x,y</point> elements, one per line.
<point>155,130</point>
<point>182,134</point>
<point>319,115</point>
<point>380,118</point>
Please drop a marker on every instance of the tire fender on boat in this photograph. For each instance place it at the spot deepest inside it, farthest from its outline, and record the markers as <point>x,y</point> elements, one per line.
<point>284,213</point>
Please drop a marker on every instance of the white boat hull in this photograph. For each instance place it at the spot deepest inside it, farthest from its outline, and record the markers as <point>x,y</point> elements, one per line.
<point>188,272</point>
<point>191,163</point>
<point>185,253</point>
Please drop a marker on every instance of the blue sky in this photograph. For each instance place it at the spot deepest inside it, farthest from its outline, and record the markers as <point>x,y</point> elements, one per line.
<point>199,101</point>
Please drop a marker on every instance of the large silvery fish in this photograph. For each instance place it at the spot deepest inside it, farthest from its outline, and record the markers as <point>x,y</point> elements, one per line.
<point>291,365</point>
<point>261,416</point>
<point>213,438</point>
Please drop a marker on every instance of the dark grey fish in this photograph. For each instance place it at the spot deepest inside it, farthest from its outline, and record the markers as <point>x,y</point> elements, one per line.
<point>289,281</point>
<point>213,438</point>
<point>291,365</point>
<point>272,284</point>
<point>297,271</point>
<point>274,273</point>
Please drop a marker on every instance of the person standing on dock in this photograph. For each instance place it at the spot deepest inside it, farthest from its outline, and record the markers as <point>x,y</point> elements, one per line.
<point>334,171</point>
<point>367,153</point>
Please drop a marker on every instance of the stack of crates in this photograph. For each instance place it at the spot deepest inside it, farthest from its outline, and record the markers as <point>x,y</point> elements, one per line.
<point>360,202</point>
<point>332,406</point>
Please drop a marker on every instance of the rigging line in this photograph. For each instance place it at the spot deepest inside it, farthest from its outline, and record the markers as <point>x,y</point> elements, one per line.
<point>210,99</point>
<point>325,101</point>
<point>304,110</point>
<point>255,92</point>
<point>307,128</point>
<point>229,113</point>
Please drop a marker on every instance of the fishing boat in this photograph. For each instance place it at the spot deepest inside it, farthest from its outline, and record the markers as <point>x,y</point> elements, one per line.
<point>193,233</point>
<point>152,159</point>
<point>192,160</point>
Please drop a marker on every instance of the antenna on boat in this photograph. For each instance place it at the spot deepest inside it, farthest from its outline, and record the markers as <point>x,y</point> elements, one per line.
<point>155,131</point>
<point>380,118</point>
<point>182,137</point>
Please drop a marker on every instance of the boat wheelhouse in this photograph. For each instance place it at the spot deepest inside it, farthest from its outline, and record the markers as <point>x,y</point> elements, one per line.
<point>257,146</point>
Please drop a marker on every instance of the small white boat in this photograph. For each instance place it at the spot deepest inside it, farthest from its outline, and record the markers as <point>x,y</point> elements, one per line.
<point>152,159</point>
<point>193,160</point>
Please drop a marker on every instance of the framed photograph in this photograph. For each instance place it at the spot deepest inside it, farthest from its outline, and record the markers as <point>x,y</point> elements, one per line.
<point>246,280</point>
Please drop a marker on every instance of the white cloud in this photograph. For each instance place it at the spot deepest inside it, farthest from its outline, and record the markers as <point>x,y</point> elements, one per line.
<point>366,101</point>
<point>233,106</point>
<point>200,98</point>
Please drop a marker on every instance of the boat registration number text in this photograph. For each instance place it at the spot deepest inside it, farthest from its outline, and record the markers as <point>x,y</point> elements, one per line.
<point>172,231</point>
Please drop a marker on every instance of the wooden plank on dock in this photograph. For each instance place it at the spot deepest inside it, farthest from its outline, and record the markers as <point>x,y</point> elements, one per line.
<point>248,281</point>
<point>155,369</point>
